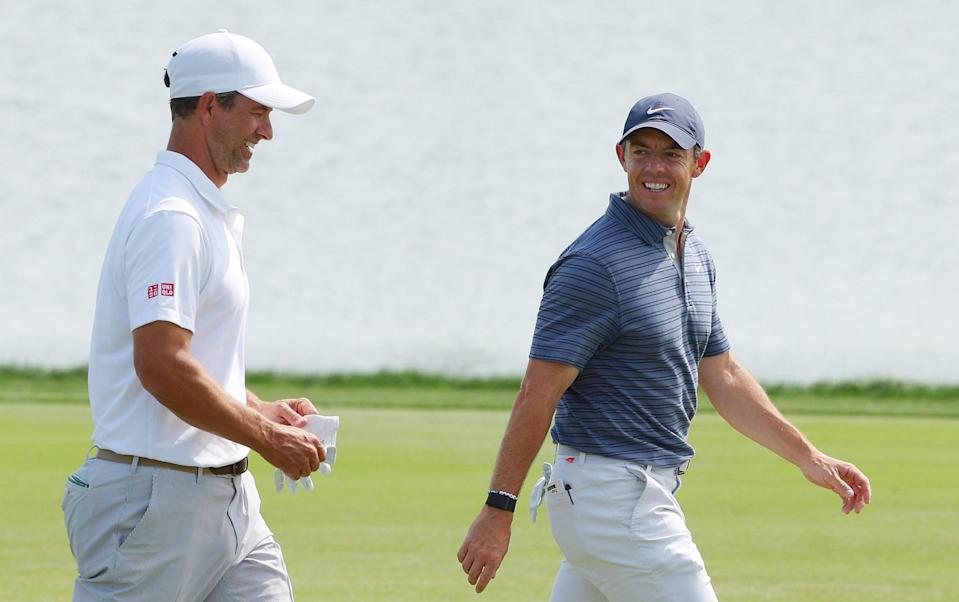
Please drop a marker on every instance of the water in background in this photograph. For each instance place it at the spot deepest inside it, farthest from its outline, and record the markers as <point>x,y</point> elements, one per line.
<point>457,147</point>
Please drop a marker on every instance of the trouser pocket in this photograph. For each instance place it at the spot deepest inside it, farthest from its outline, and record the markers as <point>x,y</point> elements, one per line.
<point>101,516</point>
<point>563,519</point>
<point>76,513</point>
<point>658,528</point>
<point>589,509</point>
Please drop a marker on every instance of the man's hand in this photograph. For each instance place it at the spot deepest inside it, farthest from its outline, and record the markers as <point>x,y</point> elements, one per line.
<point>294,451</point>
<point>287,411</point>
<point>167,369</point>
<point>485,546</point>
<point>486,542</point>
<point>741,401</point>
<point>842,477</point>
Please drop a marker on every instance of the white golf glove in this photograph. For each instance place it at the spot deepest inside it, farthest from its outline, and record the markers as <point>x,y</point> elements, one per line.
<point>539,490</point>
<point>324,427</point>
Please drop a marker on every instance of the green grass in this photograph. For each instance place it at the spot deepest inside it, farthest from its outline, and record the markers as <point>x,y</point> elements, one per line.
<point>430,391</point>
<point>386,525</point>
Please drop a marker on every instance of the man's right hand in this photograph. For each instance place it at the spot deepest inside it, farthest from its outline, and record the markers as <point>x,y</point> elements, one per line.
<point>294,451</point>
<point>486,542</point>
<point>485,546</point>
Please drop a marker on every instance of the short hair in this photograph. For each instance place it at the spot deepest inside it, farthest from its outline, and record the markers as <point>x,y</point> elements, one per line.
<point>184,107</point>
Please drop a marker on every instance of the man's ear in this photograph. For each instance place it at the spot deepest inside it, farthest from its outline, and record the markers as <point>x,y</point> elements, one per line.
<point>205,107</point>
<point>621,154</point>
<point>701,163</point>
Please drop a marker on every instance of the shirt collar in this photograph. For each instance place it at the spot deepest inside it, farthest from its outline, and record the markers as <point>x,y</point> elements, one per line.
<point>206,188</point>
<point>643,226</point>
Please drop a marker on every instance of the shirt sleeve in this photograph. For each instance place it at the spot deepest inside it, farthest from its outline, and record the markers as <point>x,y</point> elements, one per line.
<point>164,268</point>
<point>579,312</point>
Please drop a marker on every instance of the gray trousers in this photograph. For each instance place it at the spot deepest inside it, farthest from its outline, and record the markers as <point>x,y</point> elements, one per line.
<point>145,533</point>
<point>622,533</point>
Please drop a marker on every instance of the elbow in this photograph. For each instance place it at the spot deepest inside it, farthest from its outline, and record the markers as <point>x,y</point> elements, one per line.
<point>161,358</point>
<point>148,369</point>
<point>155,371</point>
<point>718,374</point>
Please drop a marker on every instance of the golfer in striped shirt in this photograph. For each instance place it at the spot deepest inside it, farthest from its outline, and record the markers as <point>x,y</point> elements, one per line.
<point>627,329</point>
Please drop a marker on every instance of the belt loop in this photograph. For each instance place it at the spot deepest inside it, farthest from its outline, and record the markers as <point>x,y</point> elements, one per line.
<point>135,464</point>
<point>582,457</point>
<point>199,475</point>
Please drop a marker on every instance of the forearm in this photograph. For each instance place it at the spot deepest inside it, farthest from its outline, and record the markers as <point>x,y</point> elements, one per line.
<point>488,538</point>
<point>181,384</point>
<point>529,422</point>
<point>743,403</point>
<point>523,439</point>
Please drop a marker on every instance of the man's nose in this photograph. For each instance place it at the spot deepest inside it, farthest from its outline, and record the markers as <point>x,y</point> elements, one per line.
<point>656,163</point>
<point>265,130</point>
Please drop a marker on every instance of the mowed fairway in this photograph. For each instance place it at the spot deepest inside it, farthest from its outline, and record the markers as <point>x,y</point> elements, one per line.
<point>386,525</point>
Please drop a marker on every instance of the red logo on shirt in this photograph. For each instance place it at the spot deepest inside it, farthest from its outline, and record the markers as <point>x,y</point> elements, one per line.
<point>570,459</point>
<point>152,291</point>
<point>166,289</point>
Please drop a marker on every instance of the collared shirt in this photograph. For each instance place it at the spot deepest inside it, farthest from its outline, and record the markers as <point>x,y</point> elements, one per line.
<point>175,256</point>
<point>619,306</point>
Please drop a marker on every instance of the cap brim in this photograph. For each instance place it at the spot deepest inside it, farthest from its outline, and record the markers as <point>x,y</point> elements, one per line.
<point>280,97</point>
<point>679,136</point>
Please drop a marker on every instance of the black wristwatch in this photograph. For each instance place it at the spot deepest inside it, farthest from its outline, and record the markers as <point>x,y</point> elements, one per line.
<point>503,500</point>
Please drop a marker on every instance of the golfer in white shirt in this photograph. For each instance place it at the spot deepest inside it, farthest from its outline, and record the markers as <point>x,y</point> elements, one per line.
<point>165,508</point>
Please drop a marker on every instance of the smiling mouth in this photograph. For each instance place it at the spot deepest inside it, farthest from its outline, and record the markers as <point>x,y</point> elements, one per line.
<point>655,186</point>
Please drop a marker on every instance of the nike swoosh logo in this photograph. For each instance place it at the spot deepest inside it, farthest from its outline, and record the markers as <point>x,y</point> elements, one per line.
<point>654,111</point>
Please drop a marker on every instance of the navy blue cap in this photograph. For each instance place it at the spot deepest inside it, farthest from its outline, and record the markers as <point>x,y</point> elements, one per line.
<point>670,114</point>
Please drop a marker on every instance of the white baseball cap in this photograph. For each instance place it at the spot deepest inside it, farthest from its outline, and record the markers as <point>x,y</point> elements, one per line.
<point>227,62</point>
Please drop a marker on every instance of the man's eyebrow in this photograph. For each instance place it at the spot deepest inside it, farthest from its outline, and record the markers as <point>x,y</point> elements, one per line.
<point>674,146</point>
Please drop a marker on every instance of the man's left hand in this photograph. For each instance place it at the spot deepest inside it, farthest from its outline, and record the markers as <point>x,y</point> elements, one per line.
<point>843,478</point>
<point>288,411</point>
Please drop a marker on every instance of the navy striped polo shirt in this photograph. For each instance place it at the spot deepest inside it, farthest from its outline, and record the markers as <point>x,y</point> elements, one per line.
<point>617,306</point>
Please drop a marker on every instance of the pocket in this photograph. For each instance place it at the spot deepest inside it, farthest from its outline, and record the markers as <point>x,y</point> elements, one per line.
<point>658,528</point>
<point>648,519</point>
<point>102,515</point>
<point>139,507</point>
<point>73,489</point>
<point>76,512</point>
<point>592,516</point>
<point>563,521</point>
<point>563,482</point>
<point>642,477</point>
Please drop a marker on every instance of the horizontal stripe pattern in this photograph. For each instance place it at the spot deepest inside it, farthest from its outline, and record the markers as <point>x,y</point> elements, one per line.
<point>616,307</point>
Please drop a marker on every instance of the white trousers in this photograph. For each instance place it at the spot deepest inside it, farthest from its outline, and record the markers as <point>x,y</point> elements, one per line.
<point>623,534</point>
<point>146,533</point>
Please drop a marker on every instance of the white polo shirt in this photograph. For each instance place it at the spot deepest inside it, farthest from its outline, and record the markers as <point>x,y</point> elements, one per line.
<point>175,255</point>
